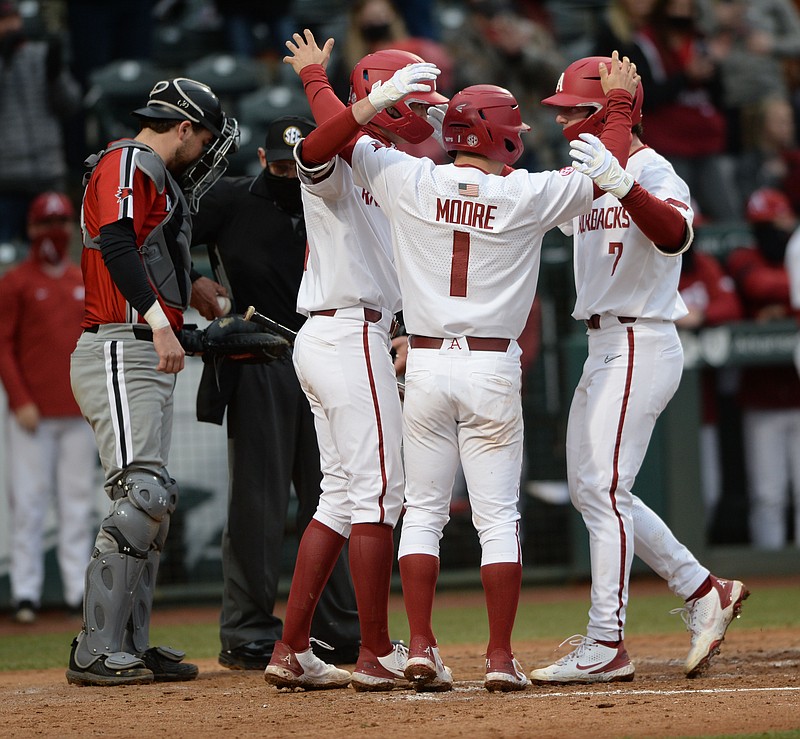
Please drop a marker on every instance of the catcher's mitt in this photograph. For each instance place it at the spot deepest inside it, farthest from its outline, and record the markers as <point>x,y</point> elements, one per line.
<point>233,337</point>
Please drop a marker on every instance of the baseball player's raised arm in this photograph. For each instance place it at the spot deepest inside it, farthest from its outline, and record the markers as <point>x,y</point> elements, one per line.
<point>335,133</point>
<point>619,84</point>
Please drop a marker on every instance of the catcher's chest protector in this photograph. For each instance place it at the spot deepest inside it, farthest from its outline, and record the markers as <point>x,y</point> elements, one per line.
<point>165,250</point>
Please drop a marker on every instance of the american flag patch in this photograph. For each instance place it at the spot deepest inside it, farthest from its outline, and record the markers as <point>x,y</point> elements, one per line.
<point>467,190</point>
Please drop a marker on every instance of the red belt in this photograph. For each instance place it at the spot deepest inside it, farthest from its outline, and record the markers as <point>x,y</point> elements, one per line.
<point>478,343</point>
<point>370,314</point>
<point>594,321</point>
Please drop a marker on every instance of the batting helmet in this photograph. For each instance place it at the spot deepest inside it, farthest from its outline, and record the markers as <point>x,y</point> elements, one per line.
<point>768,204</point>
<point>375,69</point>
<point>579,86</point>
<point>50,205</point>
<point>485,120</point>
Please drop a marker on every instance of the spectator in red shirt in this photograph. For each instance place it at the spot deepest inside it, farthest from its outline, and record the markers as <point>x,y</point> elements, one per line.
<point>769,396</point>
<point>51,452</point>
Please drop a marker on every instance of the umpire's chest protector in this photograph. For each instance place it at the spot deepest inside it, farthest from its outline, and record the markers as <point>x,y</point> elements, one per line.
<point>165,250</point>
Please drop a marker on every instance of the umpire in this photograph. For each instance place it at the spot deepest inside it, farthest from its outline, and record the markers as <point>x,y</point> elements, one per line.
<point>254,230</point>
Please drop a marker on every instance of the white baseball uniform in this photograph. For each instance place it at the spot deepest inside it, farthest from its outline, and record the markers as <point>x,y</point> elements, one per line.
<point>467,246</point>
<point>342,353</point>
<point>627,293</point>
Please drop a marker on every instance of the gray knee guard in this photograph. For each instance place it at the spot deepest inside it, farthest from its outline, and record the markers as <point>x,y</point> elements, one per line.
<point>137,633</point>
<point>123,565</point>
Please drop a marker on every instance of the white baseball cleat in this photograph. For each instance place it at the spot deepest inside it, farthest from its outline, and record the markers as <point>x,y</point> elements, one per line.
<point>589,662</point>
<point>424,668</point>
<point>380,673</point>
<point>504,673</point>
<point>290,669</point>
<point>707,619</point>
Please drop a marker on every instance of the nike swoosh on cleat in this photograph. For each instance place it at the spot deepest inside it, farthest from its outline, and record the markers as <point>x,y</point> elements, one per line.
<point>589,667</point>
<point>611,359</point>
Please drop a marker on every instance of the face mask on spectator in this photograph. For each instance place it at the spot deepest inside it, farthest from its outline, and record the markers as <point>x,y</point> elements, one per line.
<point>374,32</point>
<point>50,246</point>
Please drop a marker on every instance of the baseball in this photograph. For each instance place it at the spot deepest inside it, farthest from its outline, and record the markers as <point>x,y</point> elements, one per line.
<point>224,304</point>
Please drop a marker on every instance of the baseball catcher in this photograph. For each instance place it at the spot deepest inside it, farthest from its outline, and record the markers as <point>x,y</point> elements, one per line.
<point>233,337</point>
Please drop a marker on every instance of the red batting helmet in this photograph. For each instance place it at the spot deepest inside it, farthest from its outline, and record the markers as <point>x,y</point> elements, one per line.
<point>580,86</point>
<point>768,204</point>
<point>50,205</point>
<point>374,69</point>
<point>485,120</point>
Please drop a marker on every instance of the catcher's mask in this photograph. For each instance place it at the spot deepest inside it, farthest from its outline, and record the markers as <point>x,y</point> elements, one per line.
<point>184,99</point>
<point>579,86</point>
<point>485,120</point>
<point>375,69</point>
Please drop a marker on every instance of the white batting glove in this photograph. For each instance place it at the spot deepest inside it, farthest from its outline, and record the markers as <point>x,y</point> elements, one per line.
<point>403,82</point>
<point>590,156</point>
<point>436,114</point>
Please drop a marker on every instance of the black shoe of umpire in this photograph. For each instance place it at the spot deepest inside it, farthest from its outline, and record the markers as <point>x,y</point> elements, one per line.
<point>255,655</point>
<point>167,665</point>
<point>114,669</point>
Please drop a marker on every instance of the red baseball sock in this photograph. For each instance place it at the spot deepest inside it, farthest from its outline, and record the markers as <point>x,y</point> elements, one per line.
<point>501,584</point>
<point>704,589</point>
<point>371,555</point>
<point>418,574</point>
<point>319,549</point>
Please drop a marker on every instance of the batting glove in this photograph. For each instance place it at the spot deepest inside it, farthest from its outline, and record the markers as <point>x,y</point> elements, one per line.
<point>590,156</point>
<point>436,114</point>
<point>403,82</point>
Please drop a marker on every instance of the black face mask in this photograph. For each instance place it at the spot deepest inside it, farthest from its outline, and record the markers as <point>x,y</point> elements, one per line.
<point>375,32</point>
<point>285,191</point>
<point>772,242</point>
<point>9,43</point>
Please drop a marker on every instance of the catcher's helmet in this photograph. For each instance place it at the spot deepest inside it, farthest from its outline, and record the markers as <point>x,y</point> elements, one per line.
<point>485,120</point>
<point>50,205</point>
<point>183,99</point>
<point>374,69</point>
<point>580,86</point>
<point>768,204</point>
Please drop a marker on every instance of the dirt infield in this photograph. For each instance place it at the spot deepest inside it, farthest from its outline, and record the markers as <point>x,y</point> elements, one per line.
<point>752,686</point>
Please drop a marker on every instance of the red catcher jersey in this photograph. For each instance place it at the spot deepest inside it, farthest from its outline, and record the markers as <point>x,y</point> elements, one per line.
<point>118,189</point>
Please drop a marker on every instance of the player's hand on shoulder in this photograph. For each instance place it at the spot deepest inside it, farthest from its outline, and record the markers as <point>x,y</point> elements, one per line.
<point>621,76</point>
<point>171,355</point>
<point>591,157</point>
<point>303,50</point>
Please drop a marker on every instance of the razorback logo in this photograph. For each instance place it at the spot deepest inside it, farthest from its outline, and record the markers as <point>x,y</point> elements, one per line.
<point>124,192</point>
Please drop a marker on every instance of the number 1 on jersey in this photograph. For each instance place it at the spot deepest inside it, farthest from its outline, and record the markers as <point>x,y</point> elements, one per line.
<point>615,247</point>
<point>460,264</point>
